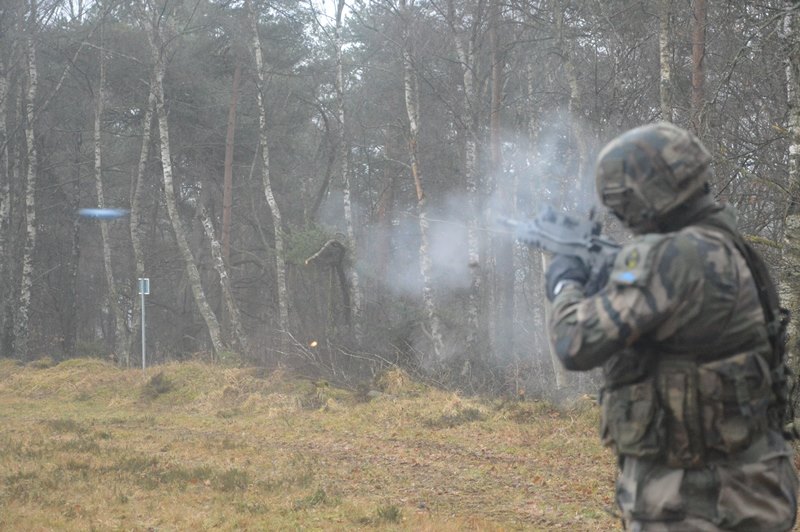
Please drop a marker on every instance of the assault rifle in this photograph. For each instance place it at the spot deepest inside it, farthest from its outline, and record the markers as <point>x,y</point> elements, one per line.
<point>560,233</point>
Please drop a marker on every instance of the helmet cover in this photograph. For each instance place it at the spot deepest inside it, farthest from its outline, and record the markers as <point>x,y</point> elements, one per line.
<point>645,173</point>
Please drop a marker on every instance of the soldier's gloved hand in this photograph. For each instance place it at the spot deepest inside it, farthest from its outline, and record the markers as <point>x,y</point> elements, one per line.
<point>563,269</point>
<point>598,279</point>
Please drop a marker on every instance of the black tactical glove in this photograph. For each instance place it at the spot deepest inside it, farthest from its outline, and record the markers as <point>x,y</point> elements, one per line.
<point>598,279</point>
<point>565,268</point>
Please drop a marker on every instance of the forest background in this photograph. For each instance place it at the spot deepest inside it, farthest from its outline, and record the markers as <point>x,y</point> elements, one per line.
<point>315,185</point>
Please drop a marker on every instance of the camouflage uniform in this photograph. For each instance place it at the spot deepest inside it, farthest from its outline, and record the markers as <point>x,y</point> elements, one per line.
<point>687,402</point>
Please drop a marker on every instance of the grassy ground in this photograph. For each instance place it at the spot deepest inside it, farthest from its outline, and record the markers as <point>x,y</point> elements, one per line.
<point>85,445</point>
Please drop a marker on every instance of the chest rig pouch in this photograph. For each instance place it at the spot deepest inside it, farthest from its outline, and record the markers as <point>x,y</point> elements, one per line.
<point>688,413</point>
<point>714,409</point>
<point>632,421</point>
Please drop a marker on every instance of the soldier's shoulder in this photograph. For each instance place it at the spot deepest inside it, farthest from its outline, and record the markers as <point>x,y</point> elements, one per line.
<point>646,254</point>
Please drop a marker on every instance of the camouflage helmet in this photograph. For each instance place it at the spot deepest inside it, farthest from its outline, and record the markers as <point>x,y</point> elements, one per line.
<point>647,172</point>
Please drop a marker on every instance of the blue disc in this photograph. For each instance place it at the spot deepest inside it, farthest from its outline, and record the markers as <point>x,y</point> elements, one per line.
<point>103,214</point>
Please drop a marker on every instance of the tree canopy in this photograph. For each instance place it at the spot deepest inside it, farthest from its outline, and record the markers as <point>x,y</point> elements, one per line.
<point>395,132</point>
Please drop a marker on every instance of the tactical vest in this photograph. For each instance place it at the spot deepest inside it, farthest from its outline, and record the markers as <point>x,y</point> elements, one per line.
<point>691,409</point>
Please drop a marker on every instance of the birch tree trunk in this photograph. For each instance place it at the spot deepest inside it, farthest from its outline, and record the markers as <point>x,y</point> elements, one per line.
<point>212,324</point>
<point>227,189</point>
<point>504,248</point>
<point>69,333</point>
<point>578,137</point>
<point>699,12</point>
<point>16,153</point>
<point>6,290</point>
<point>790,279</point>
<point>136,223</point>
<point>384,212</point>
<point>665,60</point>
<point>540,316</point>
<point>121,345</point>
<point>5,169</point>
<point>410,86</point>
<point>344,152</point>
<point>575,98</point>
<point>22,318</point>
<point>280,261</point>
<point>224,280</point>
<point>465,50</point>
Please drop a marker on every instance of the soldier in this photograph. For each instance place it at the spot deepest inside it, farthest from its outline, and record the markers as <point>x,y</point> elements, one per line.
<point>687,328</point>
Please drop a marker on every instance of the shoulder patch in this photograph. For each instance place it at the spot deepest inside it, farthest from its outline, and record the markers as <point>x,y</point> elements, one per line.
<point>632,259</point>
<point>634,262</point>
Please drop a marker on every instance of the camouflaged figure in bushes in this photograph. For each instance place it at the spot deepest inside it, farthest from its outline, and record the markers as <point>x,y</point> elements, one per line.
<point>691,402</point>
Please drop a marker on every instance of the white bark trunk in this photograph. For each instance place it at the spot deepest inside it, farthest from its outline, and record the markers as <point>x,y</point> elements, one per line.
<point>280,261</point>
<point>136,223</point>
<point>5,198</point>
<point>410,86</point>
<point>212,324</point>
<point>699,14</point>
<point>17,153</point>
<point>575,98</point>
<point>5,168</point>
<point>121,346</point>
<point>355,287</point>
<point>665,58</point>
<point>225,283</point>
<point>26,281</point>
<point>227,188</point>
<point>503,249</point>
<point>790,281</point>
<point>466,55</point>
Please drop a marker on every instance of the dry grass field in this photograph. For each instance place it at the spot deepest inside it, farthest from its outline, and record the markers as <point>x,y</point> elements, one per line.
<point>85,445</point>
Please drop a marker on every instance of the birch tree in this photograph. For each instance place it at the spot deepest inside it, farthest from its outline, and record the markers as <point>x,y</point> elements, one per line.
<point>9,50</point>
<point>575,101</point>
<point>665,59</point>
<point>263,134</point>
<point>157,45</point>
<point>538,316</point>
<point>22,318</point>
<point>790,280</point>
<point>344,152</point>
<point>121,344</point>
<point>17,314</point>
<point>465,41</point>
<point>136,222</point>
<point>411,90</point>
<point>239,337</point>
<point>574,105</point>
<point>699,14</point>
<point>504,248</point>
<point>69,332</point>
<point>227,189</point>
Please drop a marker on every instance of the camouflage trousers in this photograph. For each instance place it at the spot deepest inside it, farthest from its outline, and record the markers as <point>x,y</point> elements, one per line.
<point>754,491</point>
<point>693,524</point>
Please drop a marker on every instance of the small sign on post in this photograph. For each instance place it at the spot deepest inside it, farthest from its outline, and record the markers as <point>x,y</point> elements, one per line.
<point>144,286</point>
<point>144,290</point>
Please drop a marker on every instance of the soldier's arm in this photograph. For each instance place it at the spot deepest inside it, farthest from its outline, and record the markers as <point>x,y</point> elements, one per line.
<point>654,280</point>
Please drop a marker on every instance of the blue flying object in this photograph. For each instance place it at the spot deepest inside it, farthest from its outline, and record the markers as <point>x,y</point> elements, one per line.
<point>103,214</point>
